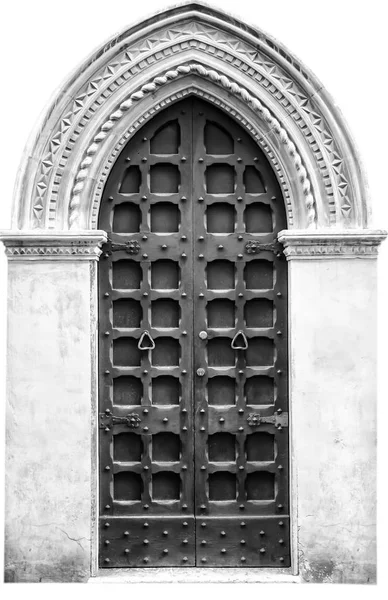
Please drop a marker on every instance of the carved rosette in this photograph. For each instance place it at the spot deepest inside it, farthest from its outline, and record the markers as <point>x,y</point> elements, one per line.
<point>254,419</point>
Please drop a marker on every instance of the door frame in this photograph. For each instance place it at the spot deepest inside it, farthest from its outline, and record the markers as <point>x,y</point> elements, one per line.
<point>55,245</point>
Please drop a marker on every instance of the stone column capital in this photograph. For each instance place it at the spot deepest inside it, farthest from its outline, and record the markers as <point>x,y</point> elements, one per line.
<point>331,244</point>
<point>22,245</point>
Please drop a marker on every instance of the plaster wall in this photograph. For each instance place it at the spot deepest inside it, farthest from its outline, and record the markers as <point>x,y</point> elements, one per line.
<point>48,480</point>
<point>333,346</point>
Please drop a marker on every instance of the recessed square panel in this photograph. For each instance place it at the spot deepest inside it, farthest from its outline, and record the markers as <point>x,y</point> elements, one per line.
<point>260,447</point>
<point>221,313</point>
<point>220,353</point>
<point>258,275</point>
<point>259,389</point>
<point>165,217</point>
<point>221,391</point>
<point>165,313</point>
<point>127,486</point>
<point>165,390</point>
<point>127,447</point>
<point>258,218</point>
<point>253,181</point>
<point>166,352</point>
<point>166,447</point>
<point>222,447</point>
<point>166,486</point>
<point>126,353</point>
<point>167,139</point>
<point>258,312</point>
<point>126,218</point>
<point>220,179</point>
<point>127,313</point>
<point>164,178</point>
<point>260,485</point>
<point>217,139</point>
<point>165,275</point>
<point>222,486</point>
<point>260,352</point>
<point>127,275</point>
<point>127,390</point>
<point>220,218</point>
<point>221,275</point>
<point>131,181</point>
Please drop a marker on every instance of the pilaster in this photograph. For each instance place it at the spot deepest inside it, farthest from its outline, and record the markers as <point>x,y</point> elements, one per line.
<point>51,405</point>
<point>332,337</point>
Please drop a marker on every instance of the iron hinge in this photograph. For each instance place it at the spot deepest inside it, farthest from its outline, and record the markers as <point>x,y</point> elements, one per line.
<point>131,247</point>
<point>280,420</point>
<point>254,247</point>
<point>107,420</point>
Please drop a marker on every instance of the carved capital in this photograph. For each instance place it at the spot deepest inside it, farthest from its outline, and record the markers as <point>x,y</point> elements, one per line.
<point>50,245</point>
<point>328,244</point>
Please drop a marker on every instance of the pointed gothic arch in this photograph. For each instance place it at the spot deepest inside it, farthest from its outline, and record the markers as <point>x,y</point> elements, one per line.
<point>191,49</point>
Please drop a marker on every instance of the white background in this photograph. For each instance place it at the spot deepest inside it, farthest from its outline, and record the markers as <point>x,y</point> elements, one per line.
<point>344,42</point>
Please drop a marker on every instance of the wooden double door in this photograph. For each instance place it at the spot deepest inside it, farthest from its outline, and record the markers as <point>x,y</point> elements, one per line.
<point>193,388</point>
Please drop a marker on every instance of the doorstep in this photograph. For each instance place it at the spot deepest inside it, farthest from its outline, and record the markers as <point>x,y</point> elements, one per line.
<point>194,575</point>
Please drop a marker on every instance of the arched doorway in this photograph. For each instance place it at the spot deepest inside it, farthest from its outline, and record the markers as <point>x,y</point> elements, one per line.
<point>193,349</point>
<point>54,250</point>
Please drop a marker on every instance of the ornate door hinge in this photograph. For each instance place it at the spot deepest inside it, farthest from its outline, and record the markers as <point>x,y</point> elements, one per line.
<point>131,247</point>
<point>253,247</point>
<point>131,420</point>
<point>280,420</point>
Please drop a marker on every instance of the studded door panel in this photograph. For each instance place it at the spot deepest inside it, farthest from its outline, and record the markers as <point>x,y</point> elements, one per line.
<point>193,350</point>
<point>240,357</point>
<point>146,456</point>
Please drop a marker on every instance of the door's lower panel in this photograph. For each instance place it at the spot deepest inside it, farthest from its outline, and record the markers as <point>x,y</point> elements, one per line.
<point>238,542</point>
<point>147,542</point>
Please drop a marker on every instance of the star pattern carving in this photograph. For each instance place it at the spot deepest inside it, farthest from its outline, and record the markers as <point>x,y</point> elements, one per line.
<point>126,58</point>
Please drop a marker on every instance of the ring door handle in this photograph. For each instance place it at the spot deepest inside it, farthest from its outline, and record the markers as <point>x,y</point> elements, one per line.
<point>146,342</point>
<point>239,342</point>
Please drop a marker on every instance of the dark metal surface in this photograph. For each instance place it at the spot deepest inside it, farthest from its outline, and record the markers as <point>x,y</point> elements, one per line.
<point>243,542</point>
<point>214,325</point>
<point>146,542</point>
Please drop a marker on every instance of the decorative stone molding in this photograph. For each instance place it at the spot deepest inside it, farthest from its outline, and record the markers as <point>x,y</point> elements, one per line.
<point>330,244</point>
<point>198,47</point>
<point>30,246</point>
<point>233,88</point>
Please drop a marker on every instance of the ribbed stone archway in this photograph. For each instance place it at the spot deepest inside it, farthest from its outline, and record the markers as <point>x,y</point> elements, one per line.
<point>54,246</point>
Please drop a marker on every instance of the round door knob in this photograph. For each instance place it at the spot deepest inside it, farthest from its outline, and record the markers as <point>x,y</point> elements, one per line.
<point>203,335</point>
<point>200,372</point>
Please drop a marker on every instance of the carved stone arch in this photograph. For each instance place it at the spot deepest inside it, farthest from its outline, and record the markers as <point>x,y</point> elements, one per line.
<point>96,176</point>
<point>189,42</point>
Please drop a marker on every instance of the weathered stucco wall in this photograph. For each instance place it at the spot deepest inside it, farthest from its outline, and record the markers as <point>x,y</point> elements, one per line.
<point>48,475</point>
<point>333,373</point>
